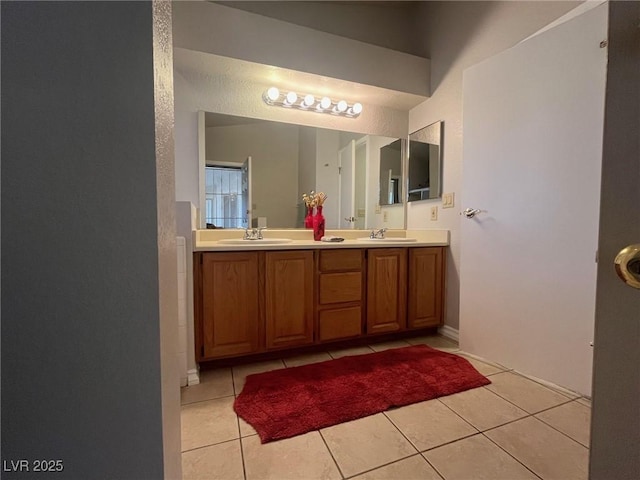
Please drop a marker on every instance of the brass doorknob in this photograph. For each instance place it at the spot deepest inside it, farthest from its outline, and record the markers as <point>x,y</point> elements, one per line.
<point>627,264</point>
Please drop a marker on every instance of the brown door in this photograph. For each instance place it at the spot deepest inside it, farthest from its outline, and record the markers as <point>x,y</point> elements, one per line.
<point>386,289</point>
<point>289,298</point>
<point>230,314</point>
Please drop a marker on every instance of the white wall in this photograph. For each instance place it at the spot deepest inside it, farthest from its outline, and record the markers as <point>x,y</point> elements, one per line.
<point>187,173</point>
<point>458,35</point>
<point>273,148</point>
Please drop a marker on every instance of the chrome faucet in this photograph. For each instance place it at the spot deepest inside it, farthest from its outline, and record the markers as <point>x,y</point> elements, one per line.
<point>378,233</point>
<point>253,233</point>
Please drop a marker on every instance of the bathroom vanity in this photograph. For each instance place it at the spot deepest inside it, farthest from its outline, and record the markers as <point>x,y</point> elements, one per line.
<point>251,298</point>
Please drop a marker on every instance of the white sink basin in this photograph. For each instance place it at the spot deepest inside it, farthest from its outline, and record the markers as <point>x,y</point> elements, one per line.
<point>387,239</point>
<point>264,241</point>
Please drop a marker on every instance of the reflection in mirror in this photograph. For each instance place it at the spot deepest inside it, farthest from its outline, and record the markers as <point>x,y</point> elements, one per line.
<point>286,161</point>
<point>425,163</point>
<point>391,173</point>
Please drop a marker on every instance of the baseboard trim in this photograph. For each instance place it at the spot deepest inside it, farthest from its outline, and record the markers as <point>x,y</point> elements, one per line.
<point>449,332</point>
<point>193,377</point>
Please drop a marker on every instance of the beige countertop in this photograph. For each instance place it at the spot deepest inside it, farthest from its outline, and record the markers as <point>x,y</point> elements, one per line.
<point>214,240</point>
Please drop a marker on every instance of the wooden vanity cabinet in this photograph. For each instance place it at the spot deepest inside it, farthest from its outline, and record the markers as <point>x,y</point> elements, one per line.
<point>426,287</point>
<point>288,298</point>
<point>254,301</point>
<point>227,304</point>
<point>340,286</point>
<point>386,290</point>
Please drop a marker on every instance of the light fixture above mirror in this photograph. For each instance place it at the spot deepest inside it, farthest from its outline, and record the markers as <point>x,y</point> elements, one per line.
<point>311,103</point>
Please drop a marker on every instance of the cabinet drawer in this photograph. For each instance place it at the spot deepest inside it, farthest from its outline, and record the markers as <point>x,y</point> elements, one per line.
<point>340,260</point>
<point>340,323</point>
<point>340,287</point>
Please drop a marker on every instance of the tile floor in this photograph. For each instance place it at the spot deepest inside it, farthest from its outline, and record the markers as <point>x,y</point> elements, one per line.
<point>512,429</point>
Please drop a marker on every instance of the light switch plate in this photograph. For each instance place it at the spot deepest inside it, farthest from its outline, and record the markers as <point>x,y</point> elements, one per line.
<point>434,212</point>
<point>448,200</point>
<point>385,216</point>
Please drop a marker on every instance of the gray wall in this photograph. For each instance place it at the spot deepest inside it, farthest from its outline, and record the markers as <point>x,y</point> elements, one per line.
<point>80,326</point>
<point>386,24</point>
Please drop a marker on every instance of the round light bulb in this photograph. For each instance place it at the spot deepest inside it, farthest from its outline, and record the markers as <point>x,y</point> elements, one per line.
<point>292,97</point>
<point>342,106</point>
<point>357,108</point>
<point>325,103</point>
<point>308,100</point>
<point>273,93</point>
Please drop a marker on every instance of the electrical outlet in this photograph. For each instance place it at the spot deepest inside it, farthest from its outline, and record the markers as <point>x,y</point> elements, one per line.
<point>385,216</point>
<point>434,212</point>
<point>448,200</point>
<point>378,209</point>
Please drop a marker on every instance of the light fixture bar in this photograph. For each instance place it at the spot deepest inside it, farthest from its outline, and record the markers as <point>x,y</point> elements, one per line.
<point>311,103</point>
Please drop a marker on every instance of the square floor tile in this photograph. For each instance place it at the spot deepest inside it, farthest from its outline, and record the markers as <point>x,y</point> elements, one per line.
<point>380,347</point>
<point>365,444</point>
<point>241,371</point>
<point>476,458</point>
<point>525,393</point>
<point>573,419</point>
<point>213,384</point>
<point>300,360</point>
<point>209,422</point>
<point>545,451</point>
<point>429,424</point>
<point>346,352</point>
<point>302,457</point>
<point>435,341</point>
<point>217,462</point>
<point>482,409</point>
<point>246,430</point>
<point>412,468</point>
<point>483,367</point>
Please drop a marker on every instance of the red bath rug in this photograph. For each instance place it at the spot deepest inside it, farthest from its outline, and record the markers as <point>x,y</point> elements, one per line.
<point>288,402</point>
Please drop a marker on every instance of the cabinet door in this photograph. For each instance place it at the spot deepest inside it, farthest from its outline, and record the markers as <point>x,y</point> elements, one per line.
<point>386,289</point>
<point>426,287</point>
<point>289,298</point>
<point>230,322</point>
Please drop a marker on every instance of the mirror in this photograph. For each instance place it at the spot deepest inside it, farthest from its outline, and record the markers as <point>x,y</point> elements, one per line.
<point>282,162</point>
<point>425,163</point>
